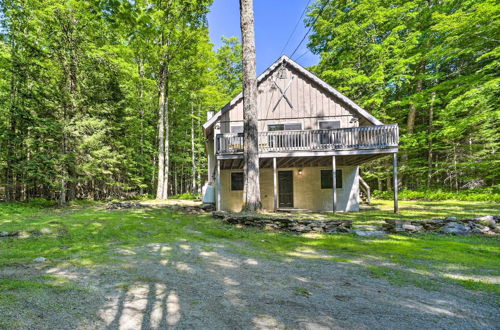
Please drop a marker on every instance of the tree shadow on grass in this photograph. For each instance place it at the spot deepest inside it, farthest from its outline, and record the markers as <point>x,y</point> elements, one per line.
<point>159,269</point>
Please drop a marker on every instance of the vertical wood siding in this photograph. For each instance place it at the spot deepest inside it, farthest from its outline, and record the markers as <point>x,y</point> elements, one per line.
<point>310,103</point>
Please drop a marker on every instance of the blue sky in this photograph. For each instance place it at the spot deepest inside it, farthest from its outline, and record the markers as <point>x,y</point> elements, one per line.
<point>274,22</point>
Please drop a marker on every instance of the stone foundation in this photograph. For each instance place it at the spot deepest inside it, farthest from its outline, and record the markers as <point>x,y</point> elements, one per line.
<point>482,225</point>
<point>286,224</point>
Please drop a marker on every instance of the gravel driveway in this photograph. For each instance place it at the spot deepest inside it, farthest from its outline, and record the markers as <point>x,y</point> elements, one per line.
<point>207,286</point>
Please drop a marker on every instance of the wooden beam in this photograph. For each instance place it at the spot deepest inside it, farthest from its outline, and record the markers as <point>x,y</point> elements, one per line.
<point>395,180</point>
<point>334,181</point>
<point>275,186</point>
<point>217,202</point>
<point>380,151</point>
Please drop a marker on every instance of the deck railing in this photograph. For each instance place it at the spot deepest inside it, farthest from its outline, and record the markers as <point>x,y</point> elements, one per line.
<point>364,137</point>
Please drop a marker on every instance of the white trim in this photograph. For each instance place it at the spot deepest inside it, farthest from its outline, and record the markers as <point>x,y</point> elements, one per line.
<point>309,75</point>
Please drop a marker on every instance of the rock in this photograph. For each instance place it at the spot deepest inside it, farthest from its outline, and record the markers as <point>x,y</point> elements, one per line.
<point>368,233</point>
<point>412,228</point>
<point>39,259</point>
<point>454,228</point>
<point>342,229</point>
<point>301,228</point>
<point>451,219</point>
<point>4,233</point>
<point>45,231</point>
<point>207,207</point>
<point>480,230</point>
<point>486,218</point>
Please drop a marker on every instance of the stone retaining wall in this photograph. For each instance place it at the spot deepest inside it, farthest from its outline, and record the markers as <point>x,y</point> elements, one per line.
<point>482,225</point>
<point>189,209</point>
<point>286,224</point>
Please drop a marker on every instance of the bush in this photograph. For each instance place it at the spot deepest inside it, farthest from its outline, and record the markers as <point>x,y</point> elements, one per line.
<point>185,196</point>
<point>439,195</point>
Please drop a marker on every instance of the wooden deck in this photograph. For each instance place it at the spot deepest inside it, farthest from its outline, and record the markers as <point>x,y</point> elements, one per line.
<point>354,140</point>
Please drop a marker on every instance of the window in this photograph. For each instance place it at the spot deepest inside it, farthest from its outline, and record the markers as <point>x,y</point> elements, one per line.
<point>285,127</point>
<point>288,140</point>
<point>237,129</point>
<point>329,124</point>
<point>327,137</point>
<point>327,181</point>
<point>237,181</point>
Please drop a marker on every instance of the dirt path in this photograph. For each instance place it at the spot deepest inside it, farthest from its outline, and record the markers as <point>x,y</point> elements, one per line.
<point>187,286</point>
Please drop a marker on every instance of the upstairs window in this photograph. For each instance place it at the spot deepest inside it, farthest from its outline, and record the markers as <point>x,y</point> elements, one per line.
<point>327,137</point>
<point>329,124</point>
<point>237,181</point>
<point>285,127</point>
<point>237,129</point>
<point>327,179</point>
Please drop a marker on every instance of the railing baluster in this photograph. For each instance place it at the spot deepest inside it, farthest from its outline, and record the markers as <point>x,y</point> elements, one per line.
<point>364,137</point>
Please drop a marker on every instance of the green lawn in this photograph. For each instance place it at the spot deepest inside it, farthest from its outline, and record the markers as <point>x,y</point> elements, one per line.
<point>420,210</point>
<point>86,234</point>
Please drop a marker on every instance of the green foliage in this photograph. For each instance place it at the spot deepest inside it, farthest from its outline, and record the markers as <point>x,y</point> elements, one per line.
<point>438,195</point>
<point>79,95</point>
<point>431,67</point>
<point>186,196</point>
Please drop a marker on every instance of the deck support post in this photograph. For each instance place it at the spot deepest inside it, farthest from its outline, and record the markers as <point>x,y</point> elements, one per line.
<point>395,181</point>
<point>217,202</point>
<point>334,183</point>
<point>275,186</point>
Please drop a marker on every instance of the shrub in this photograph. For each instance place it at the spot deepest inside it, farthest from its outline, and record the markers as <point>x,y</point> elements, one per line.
<point>439,195</point>
<point>185,196</point>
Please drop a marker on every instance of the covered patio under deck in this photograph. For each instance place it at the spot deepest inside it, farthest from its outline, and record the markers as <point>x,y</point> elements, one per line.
<point>298,160</point>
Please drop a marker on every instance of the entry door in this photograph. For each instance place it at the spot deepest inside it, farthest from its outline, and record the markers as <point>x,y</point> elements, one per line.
<point>285,187</point>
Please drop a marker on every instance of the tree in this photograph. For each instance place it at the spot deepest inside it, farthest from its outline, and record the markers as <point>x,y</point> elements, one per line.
<point>251,139</point>
<point>432,67</point>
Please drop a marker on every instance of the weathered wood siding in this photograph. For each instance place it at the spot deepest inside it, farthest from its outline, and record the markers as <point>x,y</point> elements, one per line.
<point>310,103</point>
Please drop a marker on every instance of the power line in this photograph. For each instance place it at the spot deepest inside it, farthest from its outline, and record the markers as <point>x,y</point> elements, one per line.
<point>295,28</point>
<point>310,27</point>
<point>304,53</point>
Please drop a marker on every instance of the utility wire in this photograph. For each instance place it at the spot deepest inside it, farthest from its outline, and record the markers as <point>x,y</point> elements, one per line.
<point>310,27</point>
<point>295,28</point>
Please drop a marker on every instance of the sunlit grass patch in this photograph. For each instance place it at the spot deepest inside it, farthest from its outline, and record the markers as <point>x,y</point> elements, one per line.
<point>87,235</point>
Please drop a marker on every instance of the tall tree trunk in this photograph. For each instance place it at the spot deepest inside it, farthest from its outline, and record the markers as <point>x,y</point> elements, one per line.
<point>140,68</point>
<point>410,121</point>
<point>251,143</point>
<point>193,157</point>
<point>162,100</point>
<point>430,142</point>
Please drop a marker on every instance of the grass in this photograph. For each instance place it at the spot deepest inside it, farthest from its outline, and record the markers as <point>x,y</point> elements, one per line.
<point>88,235</point>
<point>419,210</point>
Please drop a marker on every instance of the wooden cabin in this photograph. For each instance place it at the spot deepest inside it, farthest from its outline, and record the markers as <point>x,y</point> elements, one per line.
<point>312,140</point>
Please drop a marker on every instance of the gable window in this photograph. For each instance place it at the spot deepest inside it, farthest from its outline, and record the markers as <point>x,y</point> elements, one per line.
<point>327,181</point>
<point>237,181</point>
<point>327,137</point>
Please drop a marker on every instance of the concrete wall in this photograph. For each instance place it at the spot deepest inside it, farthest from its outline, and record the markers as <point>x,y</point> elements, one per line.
<point>307,192</point>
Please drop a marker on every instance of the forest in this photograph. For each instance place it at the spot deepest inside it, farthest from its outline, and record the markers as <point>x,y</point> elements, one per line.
<point>104,99</point>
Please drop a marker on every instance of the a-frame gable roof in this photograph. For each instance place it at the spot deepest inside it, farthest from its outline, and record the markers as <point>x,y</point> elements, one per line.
<point>289,62</point>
